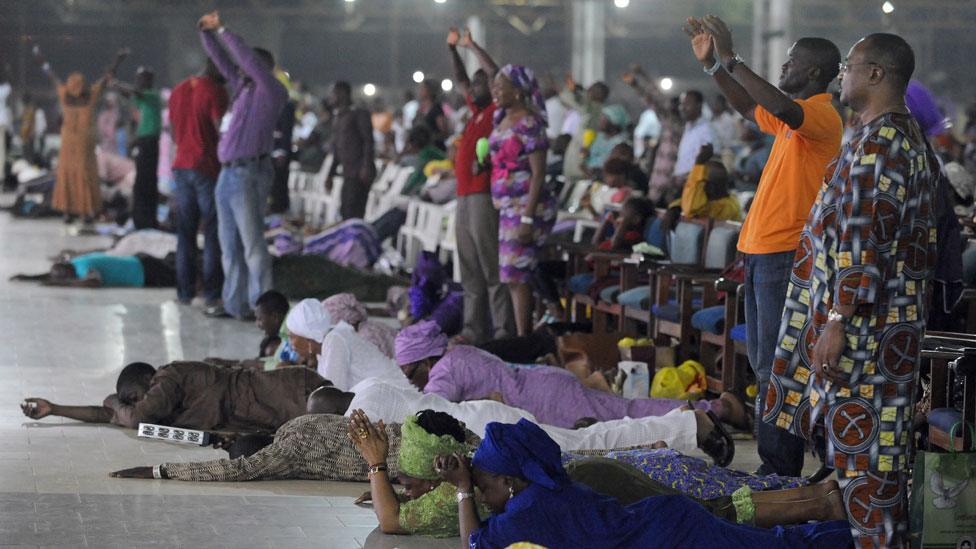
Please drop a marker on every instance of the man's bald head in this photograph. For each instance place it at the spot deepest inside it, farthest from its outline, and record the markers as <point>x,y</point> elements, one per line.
<point>893,53</point>
<point>328,400</point>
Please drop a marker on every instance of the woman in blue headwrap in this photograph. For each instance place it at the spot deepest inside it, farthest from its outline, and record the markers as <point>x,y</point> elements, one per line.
<point>518,471</point>
<point>526,203</point>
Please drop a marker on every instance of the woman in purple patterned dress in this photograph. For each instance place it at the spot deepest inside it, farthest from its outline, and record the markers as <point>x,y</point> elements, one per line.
<point>526,204</point>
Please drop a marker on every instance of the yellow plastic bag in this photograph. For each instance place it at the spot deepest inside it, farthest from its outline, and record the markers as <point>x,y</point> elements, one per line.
<point>681,382</point>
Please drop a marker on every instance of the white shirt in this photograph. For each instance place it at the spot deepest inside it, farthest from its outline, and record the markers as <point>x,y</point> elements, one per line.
<point>391,402</point>
<point>648,126</point>
<point>557,113</point>
<point>6,115</point>
<point>726,129</point>
<point>347,358</point>
<point>696,134</point>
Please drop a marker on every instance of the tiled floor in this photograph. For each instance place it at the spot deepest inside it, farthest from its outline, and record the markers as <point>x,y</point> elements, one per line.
<point>68,345</point>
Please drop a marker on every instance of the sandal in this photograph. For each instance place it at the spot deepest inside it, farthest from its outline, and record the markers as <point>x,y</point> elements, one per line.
<point>718,444</point>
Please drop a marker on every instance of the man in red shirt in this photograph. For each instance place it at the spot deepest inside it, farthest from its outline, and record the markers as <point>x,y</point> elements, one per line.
<point>196,107</point>
<point>477,226</point>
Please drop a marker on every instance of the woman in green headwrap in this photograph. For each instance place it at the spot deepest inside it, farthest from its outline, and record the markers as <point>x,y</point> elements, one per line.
<point>613,130</point>
<point>428,505</point>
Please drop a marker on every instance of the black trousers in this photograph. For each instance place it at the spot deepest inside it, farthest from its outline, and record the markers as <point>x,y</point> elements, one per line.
<point>158,273</point>
<point>279,201</point>
<point>145,192</point>
<point>353,196</point>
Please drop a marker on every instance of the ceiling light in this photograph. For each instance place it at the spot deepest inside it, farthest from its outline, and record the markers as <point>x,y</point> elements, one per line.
<point>369,90</point>
<point>887,7</point>
<point>447,85</point>
<point>621,3</point>
<point>666,84</point>
<point>418,76</point>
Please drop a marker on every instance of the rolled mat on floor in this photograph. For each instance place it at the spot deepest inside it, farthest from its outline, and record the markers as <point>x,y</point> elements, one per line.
<point>302,276</point>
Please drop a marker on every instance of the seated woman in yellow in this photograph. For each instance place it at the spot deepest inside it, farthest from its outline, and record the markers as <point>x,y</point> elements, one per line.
<point>706,191</point>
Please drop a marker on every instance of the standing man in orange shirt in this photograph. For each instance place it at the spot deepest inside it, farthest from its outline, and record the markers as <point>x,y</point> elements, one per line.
<point>808,132</point>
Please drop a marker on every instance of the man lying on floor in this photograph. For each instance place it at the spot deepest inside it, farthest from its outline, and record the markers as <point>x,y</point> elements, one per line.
<point>97,270</point>
<point>195,395</point>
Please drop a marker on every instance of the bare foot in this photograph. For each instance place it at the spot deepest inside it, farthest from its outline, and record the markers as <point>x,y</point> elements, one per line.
<point>597,381</point>
<point>734,411</point>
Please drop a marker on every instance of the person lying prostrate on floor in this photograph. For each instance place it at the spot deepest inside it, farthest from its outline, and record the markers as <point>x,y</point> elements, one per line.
<point>96,270</point>
<point>518,471</point>
<point>346,308</point>
<point>683,430</point>
<point>335,350</point>
<point>556,396</point>
<point>194,395</point>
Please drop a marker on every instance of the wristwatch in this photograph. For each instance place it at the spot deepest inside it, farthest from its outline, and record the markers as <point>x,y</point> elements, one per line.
<point>713,69</point>
<point>461,496</point>
<point>731,64</point>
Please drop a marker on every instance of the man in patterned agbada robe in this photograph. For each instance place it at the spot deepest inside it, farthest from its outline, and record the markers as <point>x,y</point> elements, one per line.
<point>851,333</point>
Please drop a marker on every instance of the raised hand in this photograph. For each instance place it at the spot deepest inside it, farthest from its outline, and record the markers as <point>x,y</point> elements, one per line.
<point>701,41</point>
<point>209,22</point>
<point>453,36</point>
<point>467,41</point>
<point>721,36</point>
<point>628,78</point>
<point>704,153</point>
<point>36,408</point>
<point>369,439</point>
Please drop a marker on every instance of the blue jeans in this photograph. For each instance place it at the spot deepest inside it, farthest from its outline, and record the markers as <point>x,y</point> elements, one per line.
<point>767,280</point>
<point>195,206</point>
<point>242,195</point>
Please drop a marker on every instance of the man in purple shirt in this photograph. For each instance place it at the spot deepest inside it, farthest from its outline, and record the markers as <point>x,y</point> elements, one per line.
<point>246,173</point>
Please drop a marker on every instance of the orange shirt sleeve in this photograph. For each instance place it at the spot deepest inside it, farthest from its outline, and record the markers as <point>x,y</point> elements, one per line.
<point>767,123</point>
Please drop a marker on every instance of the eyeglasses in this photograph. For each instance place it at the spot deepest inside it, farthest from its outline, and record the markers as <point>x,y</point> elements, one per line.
<point>843,66</point>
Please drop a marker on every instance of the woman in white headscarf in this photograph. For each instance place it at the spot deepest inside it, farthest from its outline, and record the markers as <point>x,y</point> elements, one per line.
<point>329,347</point>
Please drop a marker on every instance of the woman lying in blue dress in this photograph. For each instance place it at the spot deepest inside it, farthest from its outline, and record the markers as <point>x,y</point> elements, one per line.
<point>518,471</point>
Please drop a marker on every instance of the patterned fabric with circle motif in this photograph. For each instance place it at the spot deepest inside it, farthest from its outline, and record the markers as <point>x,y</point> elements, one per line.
<point>869,242</point>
